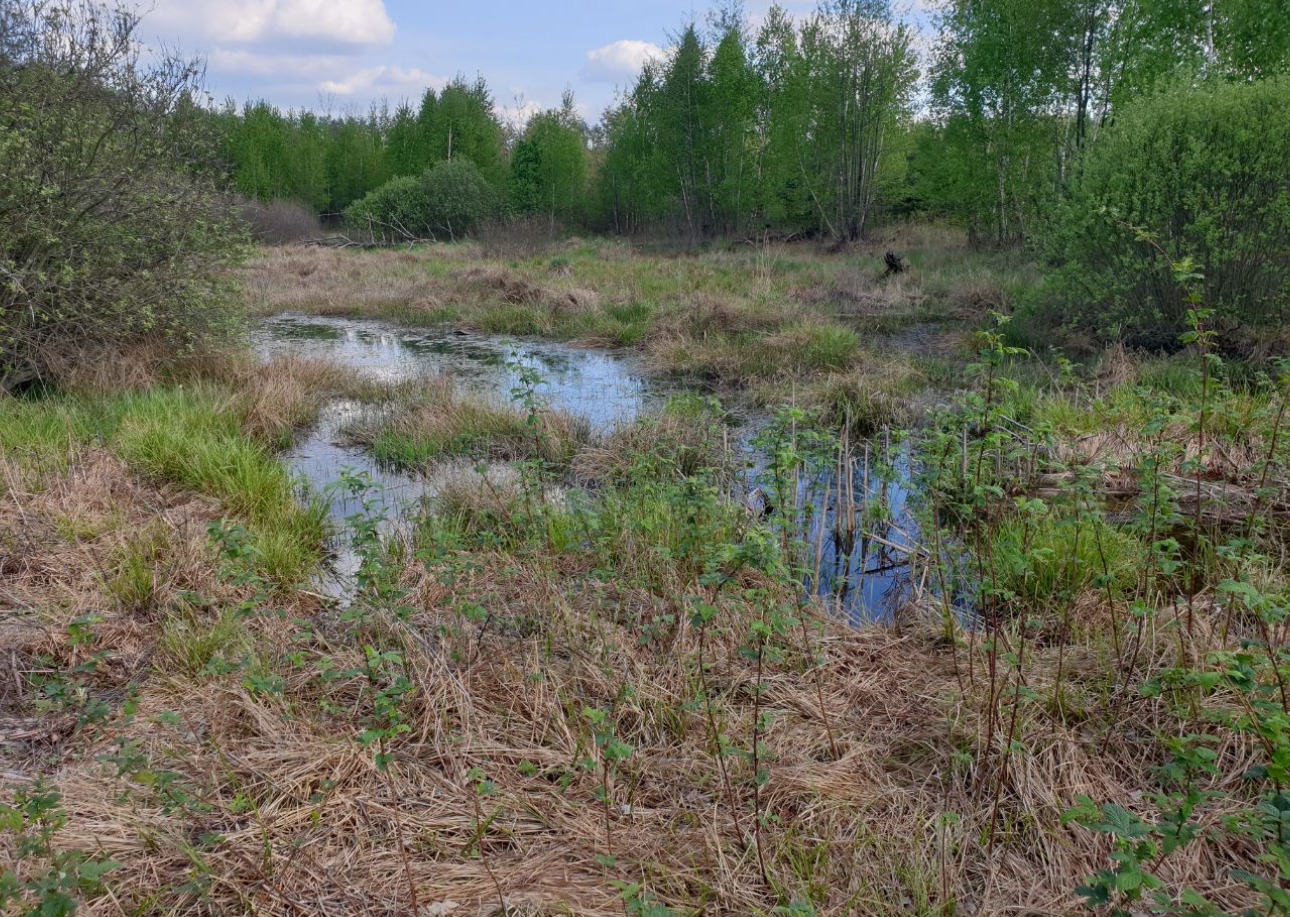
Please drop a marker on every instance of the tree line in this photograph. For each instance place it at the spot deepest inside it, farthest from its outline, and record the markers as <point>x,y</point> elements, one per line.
<point>1020,88</point>
<point>815,125</point>
<point>1115,138</point>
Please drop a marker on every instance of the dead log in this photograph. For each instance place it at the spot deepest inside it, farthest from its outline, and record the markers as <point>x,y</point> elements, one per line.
<point>895,264</point>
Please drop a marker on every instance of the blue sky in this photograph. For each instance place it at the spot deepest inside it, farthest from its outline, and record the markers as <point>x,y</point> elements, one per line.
<point>342,55</point>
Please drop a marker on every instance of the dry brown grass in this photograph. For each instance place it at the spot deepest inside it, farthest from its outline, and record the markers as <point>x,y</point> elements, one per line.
<point>285,393</point>
<point>91,541</point>
<point>337,282</point>
<point>863,295</point>
<point>881,393</point>
<point>893,823</point>
<point>973,297</point>
<point>882,787</point>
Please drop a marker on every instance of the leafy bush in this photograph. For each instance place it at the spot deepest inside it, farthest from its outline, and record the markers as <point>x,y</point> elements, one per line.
<point>110,227</point>
<point>459,197</point>
<point>396,211</point>
<point>447,201</point>
<point>1202,174</point>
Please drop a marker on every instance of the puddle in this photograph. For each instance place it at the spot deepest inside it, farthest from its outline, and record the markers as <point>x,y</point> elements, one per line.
<point>857,557</point>
<point>604,388</point>
<point>856,545</point>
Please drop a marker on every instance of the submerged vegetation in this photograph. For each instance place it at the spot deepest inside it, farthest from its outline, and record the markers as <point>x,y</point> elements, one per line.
<point>912,588</point>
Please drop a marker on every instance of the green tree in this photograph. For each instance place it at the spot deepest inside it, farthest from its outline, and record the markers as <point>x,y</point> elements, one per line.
<point>783,115</point>
<point>461,123</point>
<point>549,164</point>
<point>997,82</point>
<point>862,71</point>
<point>355,161</point>
<point>406,150</point>
<point>731,124</point>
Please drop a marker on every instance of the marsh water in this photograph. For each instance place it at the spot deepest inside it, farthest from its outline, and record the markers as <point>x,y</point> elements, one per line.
<point>868,578</point>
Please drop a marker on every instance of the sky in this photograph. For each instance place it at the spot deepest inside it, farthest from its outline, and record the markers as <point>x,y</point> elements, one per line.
<point>340,56</point>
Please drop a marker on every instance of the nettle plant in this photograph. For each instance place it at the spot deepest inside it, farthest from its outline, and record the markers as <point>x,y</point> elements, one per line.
<point>44,880</point>
<point>1235,695</point>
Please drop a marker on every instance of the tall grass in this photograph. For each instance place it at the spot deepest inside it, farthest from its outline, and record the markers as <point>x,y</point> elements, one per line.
<point>191,436</point>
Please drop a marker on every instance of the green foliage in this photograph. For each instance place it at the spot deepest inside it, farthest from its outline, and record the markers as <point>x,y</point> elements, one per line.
<point>787,131</point>
<point>398,209</point>
<point>1000,71</point>
<point>458,198</point>
<point>111,231</point>
<point>449,200</point>
<point>331,162</point>
<point>461,124</point>
<point>1204,170</point>
<point>549,164</point>
<point>1023,87</point>
<point>51,879</point>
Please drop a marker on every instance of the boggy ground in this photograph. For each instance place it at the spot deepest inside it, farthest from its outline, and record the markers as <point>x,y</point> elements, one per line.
<point>546,703</point>
<point>777,322</point>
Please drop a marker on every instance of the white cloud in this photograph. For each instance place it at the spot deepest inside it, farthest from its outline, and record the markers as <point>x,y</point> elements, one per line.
<point>384,80</point>
<point>296,67</point>
<point>620,61</point>
<point>285,23</point>
<point>517,114</point>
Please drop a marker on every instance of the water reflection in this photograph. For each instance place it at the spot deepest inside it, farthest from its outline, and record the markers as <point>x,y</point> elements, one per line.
<point>603,388</point>
<point>856,537</point>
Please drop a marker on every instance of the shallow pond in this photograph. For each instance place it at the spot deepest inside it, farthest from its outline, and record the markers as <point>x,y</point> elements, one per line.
<point>867,577</point>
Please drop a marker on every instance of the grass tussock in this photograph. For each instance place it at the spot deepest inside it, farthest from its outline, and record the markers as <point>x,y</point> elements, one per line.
<point>688,439</point>
<point>731,317</point>
<point>442,419</point>
<point>880,392</point>
<point>194,437</point>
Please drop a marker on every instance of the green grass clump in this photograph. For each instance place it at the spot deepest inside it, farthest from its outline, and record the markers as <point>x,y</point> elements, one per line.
<point>191,642</point>
<point>418,434</point>
<point>189,436</point>
<point>441,421</point>
<point>803,349</point>
<point>193,437</point>
<point>132,578</point>
<point>519,319</point>
<point>1037,561</point>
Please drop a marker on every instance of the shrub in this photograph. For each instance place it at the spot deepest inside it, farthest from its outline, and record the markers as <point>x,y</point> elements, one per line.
<point>1203,171</point>
<point>110,228</point>
<point>448,201</point>
<point>398,211</point>
<point>459,198</point>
